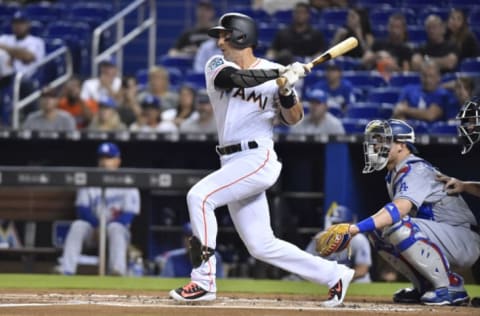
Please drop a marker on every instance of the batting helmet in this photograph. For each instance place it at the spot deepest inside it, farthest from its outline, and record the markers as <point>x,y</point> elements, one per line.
<point>379,136</point>
<point>469,128</point>
<point>242,28</point>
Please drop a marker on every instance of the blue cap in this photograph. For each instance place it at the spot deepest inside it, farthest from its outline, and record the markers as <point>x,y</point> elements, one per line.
<point>19,16</point>
<point>109,150</point>
<point>151,101</point>
<point>107,101</point>
<point>317,95</point>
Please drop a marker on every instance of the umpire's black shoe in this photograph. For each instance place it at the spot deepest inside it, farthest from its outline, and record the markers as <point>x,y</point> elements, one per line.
<point>476,302</point>
<point>407,296</point>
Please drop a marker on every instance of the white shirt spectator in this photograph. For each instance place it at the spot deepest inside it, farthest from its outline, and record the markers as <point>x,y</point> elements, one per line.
<point>162,127</point>
<point>33,44</point>
<point>329,125</point>
<point>93,89</point>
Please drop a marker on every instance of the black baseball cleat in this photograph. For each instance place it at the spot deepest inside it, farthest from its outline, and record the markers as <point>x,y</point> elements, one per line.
<point>476,302</point>
<point>192,292</point>
<point>407,296</point>
<point>337,293</point>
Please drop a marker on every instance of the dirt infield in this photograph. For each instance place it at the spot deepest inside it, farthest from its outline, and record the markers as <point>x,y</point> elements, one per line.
<point>22,302</point>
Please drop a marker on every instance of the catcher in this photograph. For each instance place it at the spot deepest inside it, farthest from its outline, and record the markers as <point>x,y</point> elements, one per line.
<point>423,230</point>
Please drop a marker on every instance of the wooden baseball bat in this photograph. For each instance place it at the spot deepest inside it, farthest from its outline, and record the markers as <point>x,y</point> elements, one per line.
<point>341,48</point>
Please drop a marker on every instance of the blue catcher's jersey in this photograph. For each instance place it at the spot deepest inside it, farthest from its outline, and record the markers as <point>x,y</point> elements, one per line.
<point>414,179</point>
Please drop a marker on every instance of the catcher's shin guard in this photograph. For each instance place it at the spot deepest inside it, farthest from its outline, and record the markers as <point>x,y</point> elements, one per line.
<point>423,256</point>
<point>198,252</point>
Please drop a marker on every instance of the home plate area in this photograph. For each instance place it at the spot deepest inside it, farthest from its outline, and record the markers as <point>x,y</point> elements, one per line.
<point>84,303</point>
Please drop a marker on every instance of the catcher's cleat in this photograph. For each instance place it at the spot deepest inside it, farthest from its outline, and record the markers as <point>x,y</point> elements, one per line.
<point>456,290</point>
<point>437,297</point>
<point>407,296</point>
<point>337,293</point>
<point>476,302</point>
<point>192,293</point>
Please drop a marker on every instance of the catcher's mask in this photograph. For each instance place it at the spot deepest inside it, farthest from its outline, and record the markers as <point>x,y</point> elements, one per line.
<point>379,136</point>
<point>469,128</point>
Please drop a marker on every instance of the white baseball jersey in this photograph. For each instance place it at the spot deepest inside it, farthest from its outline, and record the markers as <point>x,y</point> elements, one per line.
<point>116,200</point>
<point>242,113</point>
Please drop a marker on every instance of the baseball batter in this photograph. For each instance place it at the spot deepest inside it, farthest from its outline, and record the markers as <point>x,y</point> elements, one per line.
<point>423,230</point>
<point>120,204</point>
<point>246,99</point>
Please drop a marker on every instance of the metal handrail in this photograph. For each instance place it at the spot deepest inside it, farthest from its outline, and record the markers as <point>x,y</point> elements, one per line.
<point>18,104</point>
<point>121,38</point>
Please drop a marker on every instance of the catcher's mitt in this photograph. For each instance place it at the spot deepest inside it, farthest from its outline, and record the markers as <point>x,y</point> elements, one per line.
<point>334,239</point>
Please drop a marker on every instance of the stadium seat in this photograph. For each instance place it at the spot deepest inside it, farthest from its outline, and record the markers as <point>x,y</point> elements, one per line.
<point>196,79</point>
<point>420,127</point>
<point>400,80</point>
<point>7,10</point>
<point>184,64</point>
<point>383,95</point>
<point>425,12</point>
<point>470,65</point>
<point>176,77</point>
<point>363,110</point>
<point>142,78</point>
<point>283,16</point>
<point>334,17</point>
<point>56,67</point>
<point>371,4</point>
<point>381,16</point>
<point>364,79</point>
<point>466,4</point>
<point>443,128</point>
<point>266,33</point>
<point>44,12</point>
<point>354,126</point>
<point>416,34</point>
<point>92,13</point>
<point>423,3</point>
<point>37,28</point>
<point>336,112</point>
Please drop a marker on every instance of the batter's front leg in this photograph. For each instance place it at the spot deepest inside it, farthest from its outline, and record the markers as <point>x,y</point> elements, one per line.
<point>252,220</point>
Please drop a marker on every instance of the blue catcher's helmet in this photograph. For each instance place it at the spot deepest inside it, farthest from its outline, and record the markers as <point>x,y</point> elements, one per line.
<point>469,128</point>
<point>379,136</point>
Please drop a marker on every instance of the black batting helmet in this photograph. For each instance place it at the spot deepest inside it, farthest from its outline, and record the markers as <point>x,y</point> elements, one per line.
<point>242,28</point>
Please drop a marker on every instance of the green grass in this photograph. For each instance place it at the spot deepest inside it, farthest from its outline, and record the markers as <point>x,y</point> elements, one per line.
<point>40,281</point>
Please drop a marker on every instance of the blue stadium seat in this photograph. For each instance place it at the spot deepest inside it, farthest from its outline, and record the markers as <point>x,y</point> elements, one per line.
<point>443,128</point>
<point>184,64</point>
<point>363,110</point>
<point>420,127</point>
<point>423,3</point>
<point>383,95</point>
<point>176,77</point>
<point>142,78</point>
<point>197,79</point>
<point>371,4</point>
<point>364,79</point>
<point>44,12</point>
<point>470,65</point>
<point>474,17</point>
<point>400,80</point>
<point>283,16</point>
<point>425,12</point>
<point>347,63</point>
<point>266,33</point>
<point>336,112</point>
<point>56,67</point>
<point>416,34</point>
<point>354,126</point>
<point>379,17</point>
<point>328,31</point>
<point>256,14</point>
<point>7,10</point>
<point>379,31</point>
<point>466,4</point>
<point>334,17</point>
<point>92,13</point>
<point>37,28</point>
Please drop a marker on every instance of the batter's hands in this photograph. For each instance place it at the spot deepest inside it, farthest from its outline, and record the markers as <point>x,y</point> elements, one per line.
<point>452,185</point>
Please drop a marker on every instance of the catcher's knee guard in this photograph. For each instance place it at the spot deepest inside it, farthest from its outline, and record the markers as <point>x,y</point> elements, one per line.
<point>422,255</point>
<point>198,252</point>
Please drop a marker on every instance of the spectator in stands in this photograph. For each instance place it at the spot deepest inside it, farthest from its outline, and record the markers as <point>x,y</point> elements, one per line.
<point>176,263</point>
<point>83,111</point>
<point>129,108</point>
<point>185,108</point>
<point>49,117</point>
<point>318,120</point>
<point>357,25</point>
<point>205,51</point>
<point>462,92</point>
<point>150,119</point>
<point>120,205</point>
<point>189,41</point>
<point>339,91</point>
<point>392,52</point>
<point>205,121</point>
<point>159,86</point>
<point>107,118</point>
<point>427,101</point>
<point>300,39</point>
<point>106,85</point>
<point>320,5</point>
<point>459,34</point>
<point>437,49</point>
<point>272,6</point>
<point>23,48</point>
